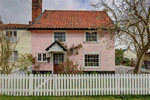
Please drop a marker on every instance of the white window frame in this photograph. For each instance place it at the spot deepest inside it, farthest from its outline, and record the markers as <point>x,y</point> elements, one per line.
<point>13,35</point>
<point>60,31</point>
<point>41,56</point>
<point>91,41</point>
<point>91,54</point>
<point>12,55</point>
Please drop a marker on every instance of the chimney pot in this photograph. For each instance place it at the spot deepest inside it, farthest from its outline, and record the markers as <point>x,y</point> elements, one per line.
<point>30,22</point>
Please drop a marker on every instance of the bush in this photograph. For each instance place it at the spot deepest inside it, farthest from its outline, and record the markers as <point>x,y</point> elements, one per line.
<point>95,72</point>
<point>48,73</point>
<point>68,67</point>
<point>118,56</point>
<point>126,62</point>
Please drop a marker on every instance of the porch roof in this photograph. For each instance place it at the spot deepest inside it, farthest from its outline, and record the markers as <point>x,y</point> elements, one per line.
<point>51,46</point>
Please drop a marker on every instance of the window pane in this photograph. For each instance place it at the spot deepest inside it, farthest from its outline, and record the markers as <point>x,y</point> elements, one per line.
<point>85,60</point>
<point>10,33</point>
<point>15,55</point>
<point>85,64</point>
<point>15,33</point>
<point>39,57</point>
<point>44,57</point>
<point>85,56</point>
<point>96,60</point>
<point>7,33</point>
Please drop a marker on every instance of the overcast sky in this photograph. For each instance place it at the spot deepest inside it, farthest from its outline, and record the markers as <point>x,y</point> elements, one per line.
<point>19,11</point>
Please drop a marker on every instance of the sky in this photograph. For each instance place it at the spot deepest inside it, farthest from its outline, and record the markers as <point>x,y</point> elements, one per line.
<point>19,11</point>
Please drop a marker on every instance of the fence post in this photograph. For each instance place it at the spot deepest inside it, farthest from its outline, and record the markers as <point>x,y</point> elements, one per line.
<point>54,84</point>
<point>31,84</point>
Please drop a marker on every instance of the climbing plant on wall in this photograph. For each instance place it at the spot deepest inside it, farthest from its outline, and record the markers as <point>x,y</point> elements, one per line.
<point>73,50</point>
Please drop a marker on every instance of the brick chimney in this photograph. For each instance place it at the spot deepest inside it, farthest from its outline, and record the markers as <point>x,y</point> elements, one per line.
<point>36,9</point>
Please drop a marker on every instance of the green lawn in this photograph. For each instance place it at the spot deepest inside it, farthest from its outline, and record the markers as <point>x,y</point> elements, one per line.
<point>75,98</point>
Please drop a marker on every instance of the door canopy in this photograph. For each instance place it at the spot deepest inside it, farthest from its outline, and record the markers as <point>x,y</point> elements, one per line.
<point>55,47</point>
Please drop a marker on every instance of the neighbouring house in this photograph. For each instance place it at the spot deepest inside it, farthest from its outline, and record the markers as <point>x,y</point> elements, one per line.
<point>18,32</point>
<point>130,54</point>
<point>147,60</point>
<point>71,27</point>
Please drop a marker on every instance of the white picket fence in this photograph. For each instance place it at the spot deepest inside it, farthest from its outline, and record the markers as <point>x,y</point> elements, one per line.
<point>71,85</point>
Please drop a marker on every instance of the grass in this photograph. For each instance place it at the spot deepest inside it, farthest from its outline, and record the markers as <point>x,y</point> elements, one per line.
<point>78,98</point>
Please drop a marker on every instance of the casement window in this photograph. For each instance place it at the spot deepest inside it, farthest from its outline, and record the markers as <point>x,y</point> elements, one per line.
<point>14,56</point>
<point>11,35</point>
<point>41,57</point>
<point>60,36</point>
<point>92,60</point>
<point>91,36</point>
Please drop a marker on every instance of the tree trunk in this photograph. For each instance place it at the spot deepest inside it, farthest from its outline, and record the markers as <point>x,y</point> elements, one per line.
<point>139,64</point>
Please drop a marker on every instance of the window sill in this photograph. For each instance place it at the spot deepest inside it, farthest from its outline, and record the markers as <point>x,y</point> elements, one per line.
<point>91,67</point>
<point>41,61</point>
<point>91,42</point>
<point>13,41</point>
<point>61,42</point>
<point>13,61</point>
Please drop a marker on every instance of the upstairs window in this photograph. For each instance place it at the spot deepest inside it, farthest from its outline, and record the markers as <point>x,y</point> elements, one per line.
<point>41,57</point>
<point>91,37</point>
<point>60,36</point>
<point>11,35</point>
<point>14,56</point>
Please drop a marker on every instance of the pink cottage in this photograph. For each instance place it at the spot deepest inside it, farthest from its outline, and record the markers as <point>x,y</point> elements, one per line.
<point>72,27</point>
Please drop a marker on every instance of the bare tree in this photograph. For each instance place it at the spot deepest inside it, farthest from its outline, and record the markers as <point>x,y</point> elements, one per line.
<point>131,19</point>
<point>6,50</point>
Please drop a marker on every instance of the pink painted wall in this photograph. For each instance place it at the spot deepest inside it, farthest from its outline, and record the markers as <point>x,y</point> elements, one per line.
<point>42,39</point>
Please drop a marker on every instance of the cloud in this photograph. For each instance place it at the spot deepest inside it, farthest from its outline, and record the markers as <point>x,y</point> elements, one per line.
<point>19,11</point>
<point>15,11</point>
<point>63,5</point>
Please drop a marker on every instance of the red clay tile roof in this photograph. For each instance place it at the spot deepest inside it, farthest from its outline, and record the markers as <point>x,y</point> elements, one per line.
<point>72,19</point>
<point>13,25</point>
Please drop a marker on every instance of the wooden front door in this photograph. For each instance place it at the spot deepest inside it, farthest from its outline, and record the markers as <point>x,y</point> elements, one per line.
<point>57,59</point>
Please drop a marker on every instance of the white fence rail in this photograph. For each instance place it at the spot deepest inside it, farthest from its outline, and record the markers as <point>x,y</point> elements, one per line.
<point>71,85</point>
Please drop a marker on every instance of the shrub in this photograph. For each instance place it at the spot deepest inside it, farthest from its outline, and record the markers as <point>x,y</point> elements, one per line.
<point>95,72</point>
<point>68,67</point>
<point>48,73</point>
<point>118,56</point>
<point>127,62</point>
